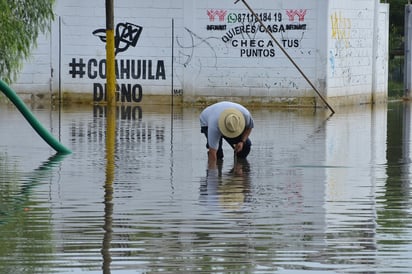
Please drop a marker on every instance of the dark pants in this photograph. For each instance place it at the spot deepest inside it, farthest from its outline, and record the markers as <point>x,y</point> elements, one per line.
<point>232,142</point>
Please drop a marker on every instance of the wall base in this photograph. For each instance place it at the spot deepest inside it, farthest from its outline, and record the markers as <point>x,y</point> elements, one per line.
<point>72,98</point>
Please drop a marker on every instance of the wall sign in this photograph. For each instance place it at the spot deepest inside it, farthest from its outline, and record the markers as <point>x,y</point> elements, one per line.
<point>127,36</point>
<point>241,29</point>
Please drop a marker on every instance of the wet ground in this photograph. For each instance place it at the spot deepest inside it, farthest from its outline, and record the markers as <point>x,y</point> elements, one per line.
<point>318,194</point>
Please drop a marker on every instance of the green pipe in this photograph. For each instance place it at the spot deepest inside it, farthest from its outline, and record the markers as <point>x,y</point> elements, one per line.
<point>39,128</point>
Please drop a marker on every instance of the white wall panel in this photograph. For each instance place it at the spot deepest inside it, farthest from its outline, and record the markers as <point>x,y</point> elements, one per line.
<point>217,48</point>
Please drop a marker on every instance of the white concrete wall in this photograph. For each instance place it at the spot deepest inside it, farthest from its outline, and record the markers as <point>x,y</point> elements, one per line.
<point>381,51</point>
<point>36,74</point>
<point>211,49</point>
<point>353,42</point>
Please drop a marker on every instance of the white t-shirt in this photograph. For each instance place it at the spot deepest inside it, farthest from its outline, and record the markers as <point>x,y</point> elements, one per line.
<point>210,116</point>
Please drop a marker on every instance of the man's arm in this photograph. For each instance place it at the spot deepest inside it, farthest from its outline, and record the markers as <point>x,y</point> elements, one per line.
<point>212,158</point>
<point>245,135</point>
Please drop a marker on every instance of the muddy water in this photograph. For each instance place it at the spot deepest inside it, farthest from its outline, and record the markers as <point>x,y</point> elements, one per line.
<point>318,194</point>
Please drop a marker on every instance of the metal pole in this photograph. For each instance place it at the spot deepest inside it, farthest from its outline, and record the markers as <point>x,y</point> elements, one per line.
<point>286,53</point>
<point>110,55</point>
<point>108,188</point>
<point>173,57</point>
<point>60,75</point>
<point>110,136</point>
<point>407,82</point>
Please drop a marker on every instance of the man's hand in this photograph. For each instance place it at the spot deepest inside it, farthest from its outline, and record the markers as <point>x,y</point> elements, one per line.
<point>238,147</point>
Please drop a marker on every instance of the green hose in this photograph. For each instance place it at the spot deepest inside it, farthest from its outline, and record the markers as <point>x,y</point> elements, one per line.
<point>42,131</point>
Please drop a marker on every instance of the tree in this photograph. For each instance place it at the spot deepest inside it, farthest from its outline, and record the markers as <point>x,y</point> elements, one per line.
<point>21,22</point>
<point>396,23</point>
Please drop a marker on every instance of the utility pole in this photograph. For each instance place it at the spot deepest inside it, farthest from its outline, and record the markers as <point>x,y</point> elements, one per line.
<point>110,56</point>
<point>110,136</point>
<point>408,52</point>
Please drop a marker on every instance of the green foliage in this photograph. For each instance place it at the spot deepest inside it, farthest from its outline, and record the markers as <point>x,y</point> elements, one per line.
<point>396,46</point>
<point>21,22</point>
<point>396,23</point>
<point>397,15</point>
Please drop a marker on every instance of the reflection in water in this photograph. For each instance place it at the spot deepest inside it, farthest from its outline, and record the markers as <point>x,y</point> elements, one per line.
<point>228,190</point>
<point>108,187</point>
<point>313,196</point>
<point>22,216</point>
<point>394,198</point>
<point>10,205</point>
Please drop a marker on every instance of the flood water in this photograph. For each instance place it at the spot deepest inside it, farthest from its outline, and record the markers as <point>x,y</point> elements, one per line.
<point>318,194</point>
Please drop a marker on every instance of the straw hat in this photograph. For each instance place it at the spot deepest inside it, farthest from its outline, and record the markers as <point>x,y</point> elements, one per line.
<point>231,123</point>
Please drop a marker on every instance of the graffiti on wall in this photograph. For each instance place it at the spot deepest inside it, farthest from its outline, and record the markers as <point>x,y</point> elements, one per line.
<point>341,28</point>
<point>190,46</point>
<point>348,54</point>
<point>129,72</point>
<point>127,34</point>
<point>339,55</point>
<point>195,41</point>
